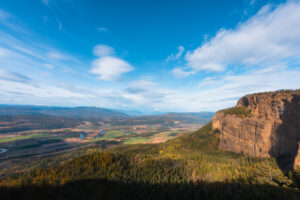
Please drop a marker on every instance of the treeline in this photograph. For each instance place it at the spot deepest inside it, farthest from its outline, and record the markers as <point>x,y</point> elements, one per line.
<point>296,91</point>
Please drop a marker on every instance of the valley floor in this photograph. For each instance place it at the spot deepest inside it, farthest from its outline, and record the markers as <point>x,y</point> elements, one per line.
<point>25,150</point>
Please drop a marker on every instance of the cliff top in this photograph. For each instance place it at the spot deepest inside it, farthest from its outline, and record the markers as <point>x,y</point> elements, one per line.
<point>266,105</point>
<point>297,91</point>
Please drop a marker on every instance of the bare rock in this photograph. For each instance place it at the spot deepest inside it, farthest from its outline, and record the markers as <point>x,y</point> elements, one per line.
<point>271,129</point>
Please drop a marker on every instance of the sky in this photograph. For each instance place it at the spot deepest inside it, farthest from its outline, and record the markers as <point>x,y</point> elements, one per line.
<point>150,55</point>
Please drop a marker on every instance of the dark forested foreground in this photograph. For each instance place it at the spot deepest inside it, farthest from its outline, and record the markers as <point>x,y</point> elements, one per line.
<point>103,189</point>
<point>188,167</point>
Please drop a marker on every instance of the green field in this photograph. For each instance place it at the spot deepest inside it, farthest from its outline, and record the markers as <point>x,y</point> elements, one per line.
<point>165,135</point>
<point>21,137</point>
<point>113,134</point>
<point>136,140</point>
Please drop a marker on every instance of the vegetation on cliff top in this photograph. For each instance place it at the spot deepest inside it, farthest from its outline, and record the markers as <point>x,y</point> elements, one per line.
<point>238,111</point>
<point>296,91</point>
<point>188,167</point>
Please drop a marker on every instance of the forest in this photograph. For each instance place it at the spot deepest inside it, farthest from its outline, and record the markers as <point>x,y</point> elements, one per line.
<point>188,167</point>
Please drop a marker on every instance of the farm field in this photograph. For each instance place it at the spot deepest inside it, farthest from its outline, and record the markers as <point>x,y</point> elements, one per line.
<point>17,148</point>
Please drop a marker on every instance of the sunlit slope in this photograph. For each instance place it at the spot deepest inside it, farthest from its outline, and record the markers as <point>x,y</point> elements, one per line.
<point>190,166</point>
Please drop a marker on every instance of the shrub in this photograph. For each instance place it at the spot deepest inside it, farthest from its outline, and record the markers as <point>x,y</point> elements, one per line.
<point>238,111</point>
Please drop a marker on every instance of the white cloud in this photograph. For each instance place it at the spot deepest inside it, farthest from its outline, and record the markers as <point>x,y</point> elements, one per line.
<point>140,86</point>
<point>269,37</point>
<point>49,66</point>
<point>28,55</point>
<point>181,72</point>
<point>211,94</point>
<point>13,76</point>
<point>42,91</point>
<point>216,93</point>
<point>57,56</point>
<point>176,56</point>
<point>3,52</point>
<point>103,50</point>
<point>141,83</point>
<point>110,68</point>
<point>102,29</point>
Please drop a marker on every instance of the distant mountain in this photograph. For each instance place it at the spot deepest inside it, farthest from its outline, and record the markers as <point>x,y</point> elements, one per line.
<point>71,112</point>
<point>192,114</point>
<point>192,117</point>
<point>131,112</point>
<point>165,119</point>
<point>93,113</point>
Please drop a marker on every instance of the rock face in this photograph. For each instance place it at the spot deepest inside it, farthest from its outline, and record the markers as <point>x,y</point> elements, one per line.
<point>271,129</point>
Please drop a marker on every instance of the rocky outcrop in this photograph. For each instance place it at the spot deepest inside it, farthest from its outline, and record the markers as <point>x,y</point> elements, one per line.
<point>271,129</point>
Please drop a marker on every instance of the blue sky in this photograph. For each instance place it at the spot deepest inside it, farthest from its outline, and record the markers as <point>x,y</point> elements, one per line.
<point>166,56</point>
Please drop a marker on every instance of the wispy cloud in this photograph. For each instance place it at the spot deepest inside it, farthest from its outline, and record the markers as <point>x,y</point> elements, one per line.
<point>252,2</point>
<point>40,91</point>
<point>271,36</point>
<point>103,50</point>
<point>45,19</point>
<point>181,72</point>
<point>108,66</point>
<point>13,76</point>
<point>49,66</point>
<point>176,56</point>
<point>11,22</point>
<point>4,15</point>
<point>215,93</point>
<point>46,2</point>
<point>28,52</point>
<point>140,86</point>
<point>102,29</point>
<point>28,56</point>
<point>59,24</point>
<point>57,56</point>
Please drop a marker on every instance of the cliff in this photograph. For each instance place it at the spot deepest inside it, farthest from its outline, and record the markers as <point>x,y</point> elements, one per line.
<point>263,125</point>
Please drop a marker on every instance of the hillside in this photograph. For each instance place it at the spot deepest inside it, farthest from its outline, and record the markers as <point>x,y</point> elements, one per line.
<point>188,167</point>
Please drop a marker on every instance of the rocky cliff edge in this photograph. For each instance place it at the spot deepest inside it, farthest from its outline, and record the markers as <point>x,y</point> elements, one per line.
<point>263,125</point>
